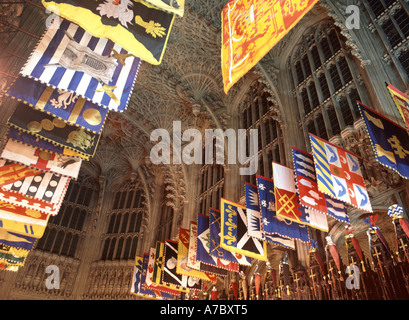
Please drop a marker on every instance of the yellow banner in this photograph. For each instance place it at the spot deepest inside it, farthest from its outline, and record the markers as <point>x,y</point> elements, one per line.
<point>134,25</point>
<point>402,103</point>
<point>251,28</point>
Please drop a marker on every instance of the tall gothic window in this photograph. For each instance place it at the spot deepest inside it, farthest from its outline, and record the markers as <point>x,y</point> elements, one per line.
<point>212,186</point>
<point>258,113</point>
<point>64,230</point>
<point>124,222</point>
<point>390,18</point>
<point>324,82</point>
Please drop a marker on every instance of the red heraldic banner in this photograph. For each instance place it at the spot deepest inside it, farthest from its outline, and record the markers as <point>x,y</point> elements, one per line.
<point>251,28</point>
<point>11,172</point>
<point>339,174</point>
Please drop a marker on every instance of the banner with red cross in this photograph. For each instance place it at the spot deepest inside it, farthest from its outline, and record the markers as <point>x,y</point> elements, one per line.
<point>339,174</point>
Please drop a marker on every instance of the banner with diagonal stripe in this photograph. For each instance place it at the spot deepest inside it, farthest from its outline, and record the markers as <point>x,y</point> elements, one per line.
<point>339,174</point>
<point>193,262</point>
<point>309,195</point>
<point>182,266</point>
<point>70,59</point>
<point>215,248</point>
<point>146,290</point>
<point>149,284</point>
<point>203,249</point>
<point>234,232</point>
<point>169,274</point>
<point>158,269</point>
<point>49,128</point>
<point>308,216</point>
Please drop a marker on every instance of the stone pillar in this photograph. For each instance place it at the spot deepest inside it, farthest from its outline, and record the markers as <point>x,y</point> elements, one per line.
<point>91,243</point>
<point>149,225</point>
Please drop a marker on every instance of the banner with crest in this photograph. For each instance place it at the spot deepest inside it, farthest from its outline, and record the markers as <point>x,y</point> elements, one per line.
<point>220,266</point>
<point>390,142</point>
<point>182,265</point>
<point>158,270</point>
<point>234,232</point>
<point>49,128</point>
<point>339,174</point>
<point>215,248</point>
<point>64,105</point>
<point>160,290</point>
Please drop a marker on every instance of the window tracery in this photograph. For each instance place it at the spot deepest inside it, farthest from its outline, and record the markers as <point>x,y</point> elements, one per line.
<point>327,97</point>
<point>124,222</point>
<point>64,231</point>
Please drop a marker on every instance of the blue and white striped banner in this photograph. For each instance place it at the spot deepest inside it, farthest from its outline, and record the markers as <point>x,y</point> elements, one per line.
<point>69,58</point>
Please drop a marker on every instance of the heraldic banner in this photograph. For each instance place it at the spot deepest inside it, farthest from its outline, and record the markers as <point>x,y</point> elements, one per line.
<point>309,195</point>
<point>339,174</point>
<point>390,142</point>
<point>402,103</point>
<point>234,235</point>
<point>137,27</point>
<point>274,225</point>
<point>250,28</point>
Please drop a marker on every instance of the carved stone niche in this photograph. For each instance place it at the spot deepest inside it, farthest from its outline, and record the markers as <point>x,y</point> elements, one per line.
<point>349,137</point>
